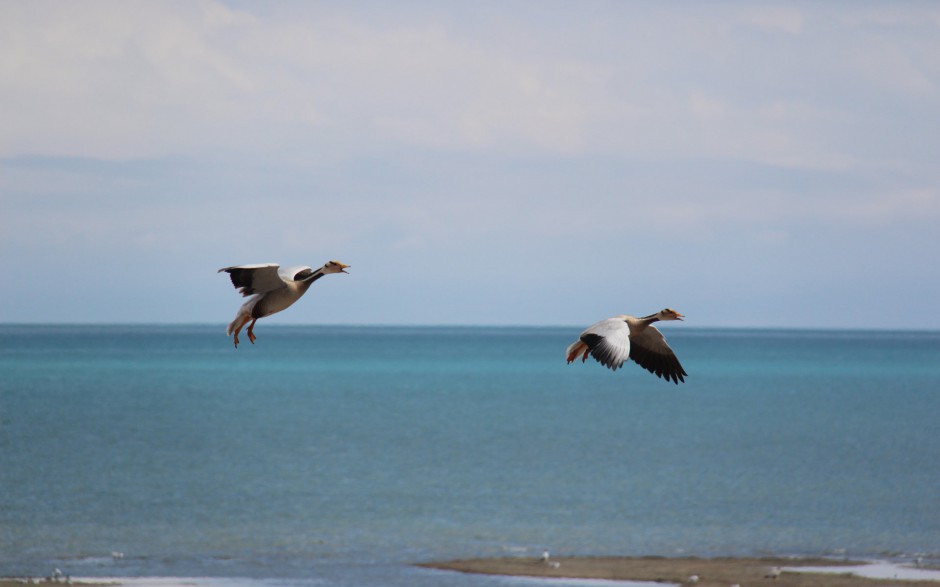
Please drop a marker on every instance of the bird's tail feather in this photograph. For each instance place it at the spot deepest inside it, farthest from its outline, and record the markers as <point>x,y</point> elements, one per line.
<point>236,324</point>
<point>577,348</point>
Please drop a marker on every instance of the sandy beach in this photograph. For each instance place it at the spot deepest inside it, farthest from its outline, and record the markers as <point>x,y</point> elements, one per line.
<point>702,572</point>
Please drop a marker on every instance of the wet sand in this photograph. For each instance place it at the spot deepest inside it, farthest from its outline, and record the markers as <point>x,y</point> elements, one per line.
<point>711,572</point>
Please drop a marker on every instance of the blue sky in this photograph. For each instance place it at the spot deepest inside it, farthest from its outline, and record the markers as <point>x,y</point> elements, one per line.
<point>523,162</point>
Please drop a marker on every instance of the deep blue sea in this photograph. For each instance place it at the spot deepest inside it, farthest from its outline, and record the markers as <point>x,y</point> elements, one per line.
<point>340,456</point>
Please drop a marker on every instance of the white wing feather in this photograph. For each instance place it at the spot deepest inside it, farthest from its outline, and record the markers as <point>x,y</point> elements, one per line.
<point>609,341</point>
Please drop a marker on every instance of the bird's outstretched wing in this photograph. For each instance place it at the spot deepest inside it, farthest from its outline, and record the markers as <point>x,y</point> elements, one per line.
<point>609,341</point>
<point>650,351</point>
<point>252,279</point>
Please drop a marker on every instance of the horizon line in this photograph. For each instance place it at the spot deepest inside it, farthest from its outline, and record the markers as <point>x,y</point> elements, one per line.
<point>459,325</point>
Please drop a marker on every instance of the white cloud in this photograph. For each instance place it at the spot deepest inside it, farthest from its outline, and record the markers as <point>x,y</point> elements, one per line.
<point>119,80</point>
<point>115,79</point>
<point>126,79</point>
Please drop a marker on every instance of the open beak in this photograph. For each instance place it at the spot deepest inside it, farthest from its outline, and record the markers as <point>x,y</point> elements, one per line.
<point>679,316</point>
<point>343,268</point>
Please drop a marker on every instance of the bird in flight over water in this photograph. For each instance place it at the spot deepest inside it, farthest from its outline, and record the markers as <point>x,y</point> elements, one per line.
<point>615,340</point>
<point>271,290</point>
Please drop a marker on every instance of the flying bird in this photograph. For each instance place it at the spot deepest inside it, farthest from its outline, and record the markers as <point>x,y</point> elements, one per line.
<point>615,340</point>
<point>271,290</point>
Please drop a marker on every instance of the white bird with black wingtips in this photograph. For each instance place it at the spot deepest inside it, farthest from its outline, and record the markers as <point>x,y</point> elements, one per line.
<point>615,340</point>
<point>271,290</point>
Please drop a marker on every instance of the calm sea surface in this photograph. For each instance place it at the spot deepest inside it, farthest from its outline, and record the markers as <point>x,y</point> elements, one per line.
<point>339,456</point>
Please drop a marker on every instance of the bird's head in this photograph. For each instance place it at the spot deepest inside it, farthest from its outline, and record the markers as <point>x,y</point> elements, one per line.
<point>335,267</point>
<point>670,314</point>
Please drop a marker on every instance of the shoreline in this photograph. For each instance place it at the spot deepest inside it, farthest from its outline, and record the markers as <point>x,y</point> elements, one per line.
<point>654,571</point>
<point>687,571</point>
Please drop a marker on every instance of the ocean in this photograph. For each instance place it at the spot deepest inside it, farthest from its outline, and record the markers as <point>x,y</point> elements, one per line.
<point>340,456</point>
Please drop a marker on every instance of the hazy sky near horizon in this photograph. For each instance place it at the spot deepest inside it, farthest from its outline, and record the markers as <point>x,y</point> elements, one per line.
<point>521,162</point>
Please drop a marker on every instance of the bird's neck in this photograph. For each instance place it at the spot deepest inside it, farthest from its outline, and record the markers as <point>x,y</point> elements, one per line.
<point>306,283</point>
<point>638,325</point>
<point>647,320</point>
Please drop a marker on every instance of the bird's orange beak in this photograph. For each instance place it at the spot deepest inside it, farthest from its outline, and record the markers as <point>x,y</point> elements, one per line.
<point>679,316</point>
<point>343,267</point>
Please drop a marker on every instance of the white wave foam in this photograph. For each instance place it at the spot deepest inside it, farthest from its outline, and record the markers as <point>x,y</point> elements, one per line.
<point>876,570</point>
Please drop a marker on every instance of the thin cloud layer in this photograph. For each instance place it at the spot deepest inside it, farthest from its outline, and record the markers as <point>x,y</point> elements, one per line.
<point>772,83</point>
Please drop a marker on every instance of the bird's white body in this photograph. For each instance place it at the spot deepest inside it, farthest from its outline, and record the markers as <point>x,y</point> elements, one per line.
<point>275,301</point>
<point>272,290</point>
<point>614,341</point>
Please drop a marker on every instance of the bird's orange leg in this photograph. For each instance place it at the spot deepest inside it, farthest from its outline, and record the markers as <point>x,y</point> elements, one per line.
<point>250,331</point>
<point>587,351</point>
<point>239,328</point>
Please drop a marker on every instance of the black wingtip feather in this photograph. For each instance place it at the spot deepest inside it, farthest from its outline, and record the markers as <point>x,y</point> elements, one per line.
<point>666,367</point>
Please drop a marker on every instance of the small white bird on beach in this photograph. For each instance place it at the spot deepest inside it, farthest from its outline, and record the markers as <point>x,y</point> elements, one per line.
<point>545,556</point>
<point>615,340</point>
<point>272,290</point>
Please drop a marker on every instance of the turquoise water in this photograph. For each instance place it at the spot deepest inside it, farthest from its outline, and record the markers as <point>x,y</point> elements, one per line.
<point>341,455</point>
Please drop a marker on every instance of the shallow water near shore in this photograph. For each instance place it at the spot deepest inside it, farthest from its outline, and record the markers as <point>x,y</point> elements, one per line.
<point>342,455</point>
